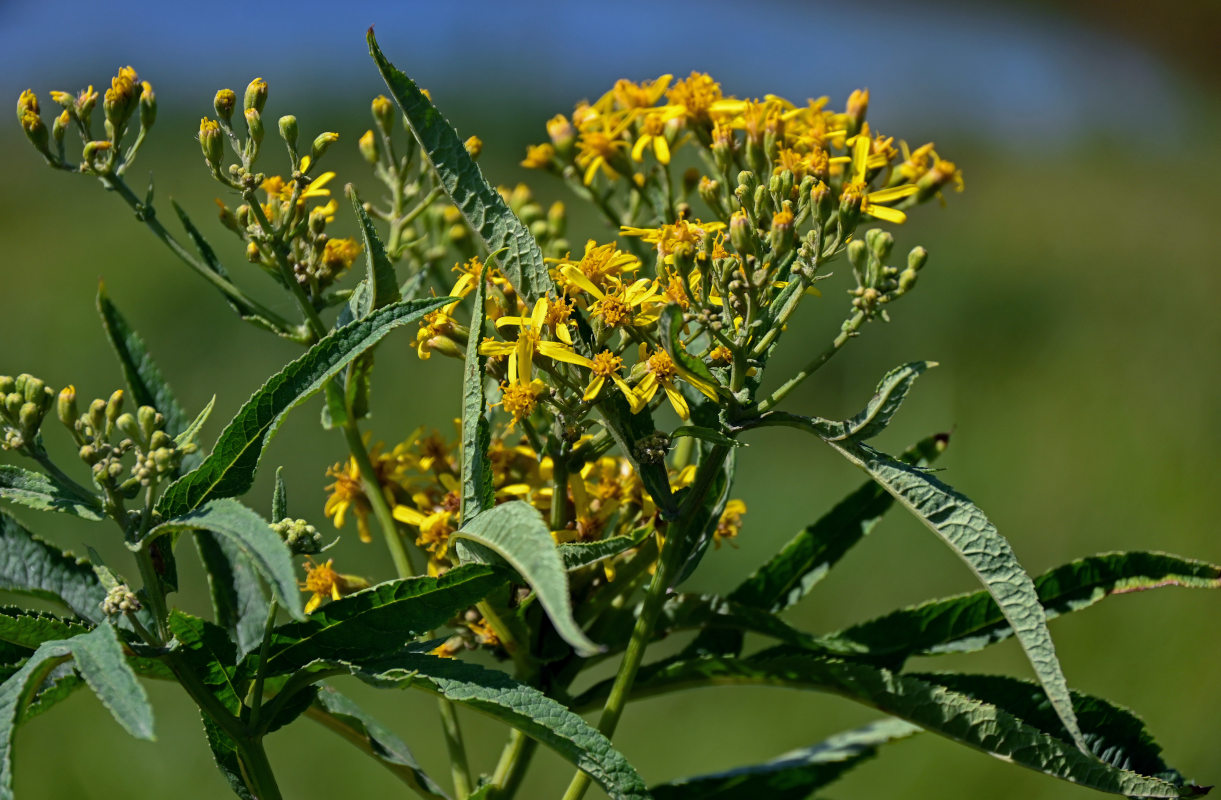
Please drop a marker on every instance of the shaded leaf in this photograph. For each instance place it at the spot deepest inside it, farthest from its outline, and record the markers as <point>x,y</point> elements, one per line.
<point>348,719</point>
<point>28,565</point>
<point>484,209</point>
<point>279,497</point>
<point>238,600</point>
<point>670,326</point>
<point>380,620</point>
<point>15,694</point>
<point>28,629</point>
<point>38,491</point>
<point>251,536</point>
<point>884,404</point>
<point>794,775</point>
<point>581,554</point>
<point>211,656</point>
<point>100,661</point>
<point>973,621</point>
<point>224,754</point>
<point>516,533</point>
<point>478,492</point>
<point>229,469</point>
<point>382,281</point>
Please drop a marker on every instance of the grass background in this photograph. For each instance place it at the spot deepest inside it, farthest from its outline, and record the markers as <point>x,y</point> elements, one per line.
<point>1070,298</point>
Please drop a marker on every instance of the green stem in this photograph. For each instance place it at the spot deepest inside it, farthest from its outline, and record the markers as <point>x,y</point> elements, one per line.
<point>459,769</point>
<point>849,329</point>
<point>146,215</point>
<point>377,499</point>
<point>312,320</point>
<point>514,761</point>
<point>256,699</point>
<point>256,769</point>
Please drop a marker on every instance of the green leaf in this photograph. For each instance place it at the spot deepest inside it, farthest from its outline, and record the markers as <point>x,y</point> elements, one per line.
<point>482,206</point>
<point>229,470</point>
<point>28,629</point>
<point>670,326</point>
<point>581,554</point>
<point>100,661</point>
<point>191,433</point>
<point>15,694</point>
<point>224,753</point>
<point>516,532</point>
<point>238,600</point>
<point>628,429</point>
<point>251,536</point>
<point>706,518</point>
<point>279,498</point>
<point>527,709</point>
<point>1116,735</point>
<point>382,280</point>
<point>935,708</point>
<point>884,404</point>
<point>377,621</point>
<point>969,533</point>
<point>973,621</point>
<point>707,435</point>
<point>37,491</point>
<point>29,565</point>
<point>794,775</point>
<point>211,656</point>
<point>478,493</point>
<point>342,715</point>
<point>144,379</point>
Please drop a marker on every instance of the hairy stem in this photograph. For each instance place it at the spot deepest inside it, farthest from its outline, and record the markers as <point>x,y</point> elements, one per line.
<point>458,767</point>
<point>849,329</point>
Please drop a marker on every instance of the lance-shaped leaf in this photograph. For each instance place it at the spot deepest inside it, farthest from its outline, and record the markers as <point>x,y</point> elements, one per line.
<point>238,600</point>
<point>15,693</point>
<point>224,754</point>
<point>484,209</point>
<point>792,776</point>
<point>581,554</point>
<point>969,533</point>
<point>279,497</point>
<point>670,326</point>
<point>496,694</point>
<point>935,708</point>
<point>380,620</point>
<point>229,469</point>
<point>1116,735</point>
<point>251,536</point>
<point>478,493</point>
<point>349,720</point>
<point>884,404</point>
<point>28,629</point>
<point>382,281</point>
<point>38,491</point>
<point>973,621</point>
<point>516,533</point>
<point>28,565</point>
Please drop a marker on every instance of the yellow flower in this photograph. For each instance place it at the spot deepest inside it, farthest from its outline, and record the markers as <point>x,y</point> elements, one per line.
<point>539,156</point>
<point>637,304</point>
<point>598,263</point>
<point>529,341</point>
<point>520,399</point>
<point>694,96</point>
<point>324,582</point>
<point>347,493</point>
<point>652,131</point>
<point>596,149</point>
<point>683,237</point>
<point>627,95</point>
<point>730,523</point>
<point>871,203</point>
<point>339,254</point>
<point>664,373</point>
<point>607,365</point>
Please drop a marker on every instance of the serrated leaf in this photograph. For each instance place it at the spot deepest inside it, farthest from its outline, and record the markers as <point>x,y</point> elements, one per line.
<point>28,629</point>
<point>191,432</point>
<point>884,404</point>
<point>516,533</point>
<point>100,661</point>
<point>478,492</point>
<point>581,554</point>
<point>40,492</point>
<point>935,708</point>
<point>527,709</point>
<point>794,775</point>
<point>252,536</point>
<point>381,277</point>
<point>238,600</point>
<point>28,565</point>
<point>224,754</point>
<point>229,470</point>
<point>973,621</point>
<point>484,209</point>
<point>341,714</point>
<point>969,533</point>
<point>279,497</point>
<point>372,623</point>
<point>211,656</point>
<point>670,326</point>
<point>706,434</point>
<point>628,429</point>
<point>15,693</point>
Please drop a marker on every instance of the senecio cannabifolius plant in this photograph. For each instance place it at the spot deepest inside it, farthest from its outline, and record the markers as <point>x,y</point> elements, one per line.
<point>606,388</point>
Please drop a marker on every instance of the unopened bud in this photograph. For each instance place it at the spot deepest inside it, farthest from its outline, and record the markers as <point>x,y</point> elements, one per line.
<point>127,425</point>
<point>474,146</point>
<point>149,420</point>
<point>907,280</point>
<point>782,233</point>
<point>252,253</point>
<point>288,131</point>
<point>562,134</point>
<point>210,143</point>
<point>880,242</point>
<point>858,256</point>
<point>65,406</point>
<point>741,234</point>
<point>114,406</point>
<point>322,143</point>
<point>256,95</point>
<point>224,103</point>
<point>60,127</point>
<point>368,147</point>
<point>917,258</point>
<point>97,415</point>
<point>857,107</point>
<point>557,219</point>
<point>383,113</point>
<point>254,124</point>
<point>148,105</point>
<point>29,417</point>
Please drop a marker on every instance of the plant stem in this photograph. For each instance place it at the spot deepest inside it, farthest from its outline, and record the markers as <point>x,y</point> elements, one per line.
<point>459,769</point>
<point>256,769</point>
<point>256,700</point>
<point>513,763</point>
<point>377,499</point>
<point>849,329</point>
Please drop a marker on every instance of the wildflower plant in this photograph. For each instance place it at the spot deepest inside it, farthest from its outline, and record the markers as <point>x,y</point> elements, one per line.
<point>607,388</point>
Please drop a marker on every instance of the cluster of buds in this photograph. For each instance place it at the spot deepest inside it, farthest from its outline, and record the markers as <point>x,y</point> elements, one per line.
<point>547,226</point>
<point>120,600</point>
<point>471,632</point>
<point>24,402</point>
<point>157,455</point>
<point>302,538</point>
<point>127,99</point>
<point>878,283</point>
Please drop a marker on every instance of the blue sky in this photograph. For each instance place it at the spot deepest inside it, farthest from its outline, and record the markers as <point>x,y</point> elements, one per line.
<point>1002,73</point>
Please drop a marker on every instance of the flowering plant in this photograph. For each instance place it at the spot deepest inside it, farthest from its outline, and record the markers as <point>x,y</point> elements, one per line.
<point>606,390</point>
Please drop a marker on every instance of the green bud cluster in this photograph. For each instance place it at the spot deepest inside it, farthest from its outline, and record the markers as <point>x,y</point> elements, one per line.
<point>24,402</point>
<point>877,283</point>
<point>302,538</point>
<point>120,600</point>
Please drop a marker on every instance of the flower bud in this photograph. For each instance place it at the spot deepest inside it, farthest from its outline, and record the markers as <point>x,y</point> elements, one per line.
<point>858,256</point>
<point>762,201</point>
<point>60,127</point>
<point>383,113</point>
<point>65,406</point>
<point>917,258</point>
<point>474,146</point>
<point>159,440</point>
<point>97,416</point>
<point>782,233</point>
<point>254,124</point>
<point>368,147</point>
<point>741,233</point>
<point>149,420</point>
<point>907,280</point>
<point>114,406</point>
<point>29,417</point>
<point>562,134</point>
<point>252,253</point>
<point>880,242</point>
<point>224,103</point>
<point>210,143</point>
<point>557,219</point>
<point>288,131</point>
<point>31,122</point>
<point>148,105</point>
<point>31,388</point>
<point>858,105</point>
<point>322,143</point>
<point>127,425</point>
<point>256,95</point>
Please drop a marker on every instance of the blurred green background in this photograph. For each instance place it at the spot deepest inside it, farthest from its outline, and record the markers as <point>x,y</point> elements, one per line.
<point>1070,298</point>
